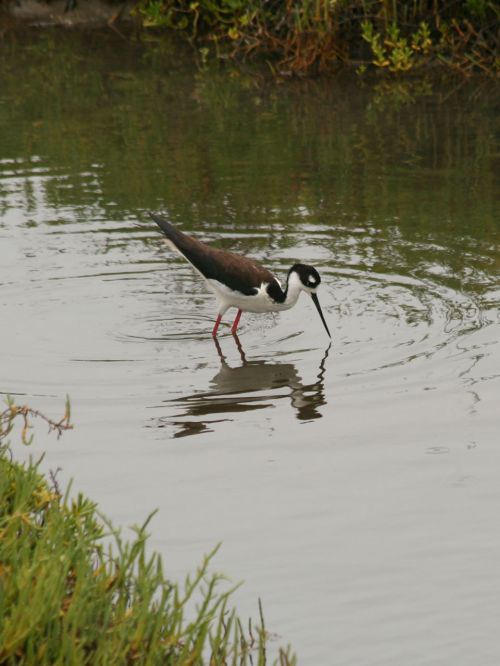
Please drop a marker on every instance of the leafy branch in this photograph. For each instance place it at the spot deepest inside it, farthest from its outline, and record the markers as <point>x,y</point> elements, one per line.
<point>26,414</point>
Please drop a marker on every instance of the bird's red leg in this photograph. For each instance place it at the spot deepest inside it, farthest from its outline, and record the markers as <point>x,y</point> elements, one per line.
<point>236,322</point>
<point>217,322</point>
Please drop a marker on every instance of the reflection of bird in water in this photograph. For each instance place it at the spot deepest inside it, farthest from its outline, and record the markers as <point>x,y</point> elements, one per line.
<point>250,386</point>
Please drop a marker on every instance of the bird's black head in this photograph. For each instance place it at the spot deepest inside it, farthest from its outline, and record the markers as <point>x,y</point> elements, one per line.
<point>310,281</point>
<point>308,276</point>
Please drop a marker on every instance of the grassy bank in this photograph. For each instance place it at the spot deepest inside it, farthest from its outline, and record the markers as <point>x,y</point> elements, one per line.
<point>308,36</point>
<point>72,590</point>
<point>303,37</point>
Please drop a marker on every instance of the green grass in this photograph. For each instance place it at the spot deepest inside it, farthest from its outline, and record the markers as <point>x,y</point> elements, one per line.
<point>73,591</point>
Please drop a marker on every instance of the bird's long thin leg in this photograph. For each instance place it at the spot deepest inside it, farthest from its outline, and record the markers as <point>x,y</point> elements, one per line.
<point>217,322</point>
<point>236,322</point>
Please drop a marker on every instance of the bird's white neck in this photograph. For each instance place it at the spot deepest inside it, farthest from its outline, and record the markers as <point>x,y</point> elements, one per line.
<point>293,288</point>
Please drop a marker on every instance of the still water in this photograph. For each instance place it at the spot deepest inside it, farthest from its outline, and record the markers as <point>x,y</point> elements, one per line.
<point>355,487</point>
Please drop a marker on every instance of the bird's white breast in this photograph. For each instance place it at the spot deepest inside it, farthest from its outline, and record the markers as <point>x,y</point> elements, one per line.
<point>259,302</point>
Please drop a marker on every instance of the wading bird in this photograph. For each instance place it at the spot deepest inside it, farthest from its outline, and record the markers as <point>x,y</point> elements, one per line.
<point>239,282</point>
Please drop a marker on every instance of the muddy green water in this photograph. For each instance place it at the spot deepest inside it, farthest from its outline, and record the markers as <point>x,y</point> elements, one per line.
<point>355,488</point>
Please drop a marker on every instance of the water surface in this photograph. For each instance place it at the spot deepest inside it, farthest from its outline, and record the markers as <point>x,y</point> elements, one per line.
<point>355,487</point>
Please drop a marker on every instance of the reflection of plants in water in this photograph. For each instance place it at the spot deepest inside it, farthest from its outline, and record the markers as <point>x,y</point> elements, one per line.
<point>117,128</point>
<point>393,95</point>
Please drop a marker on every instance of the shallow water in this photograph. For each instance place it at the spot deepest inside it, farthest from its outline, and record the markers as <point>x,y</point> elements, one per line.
<point>355,487</point>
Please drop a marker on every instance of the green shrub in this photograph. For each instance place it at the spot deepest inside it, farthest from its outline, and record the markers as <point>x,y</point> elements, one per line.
<point>73,591</point>
<point>307,36</point>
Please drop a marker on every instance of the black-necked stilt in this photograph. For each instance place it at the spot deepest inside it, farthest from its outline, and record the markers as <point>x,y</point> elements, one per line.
<point>239,282</point>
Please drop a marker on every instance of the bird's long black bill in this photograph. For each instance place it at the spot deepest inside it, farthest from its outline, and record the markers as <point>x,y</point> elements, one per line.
<point>318,307</point>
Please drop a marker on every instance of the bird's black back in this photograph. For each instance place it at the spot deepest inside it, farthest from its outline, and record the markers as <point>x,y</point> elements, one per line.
<point>235,271</point>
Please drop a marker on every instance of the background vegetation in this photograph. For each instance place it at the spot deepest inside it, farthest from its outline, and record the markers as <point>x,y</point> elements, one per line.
<point>306,36</point>
<point>73,591</point>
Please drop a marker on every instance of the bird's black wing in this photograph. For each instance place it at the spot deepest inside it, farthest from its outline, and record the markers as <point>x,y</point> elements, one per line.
<point>235,271</point>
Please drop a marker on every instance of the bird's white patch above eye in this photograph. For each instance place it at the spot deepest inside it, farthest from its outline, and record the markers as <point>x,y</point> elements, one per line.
<point>311,279</point>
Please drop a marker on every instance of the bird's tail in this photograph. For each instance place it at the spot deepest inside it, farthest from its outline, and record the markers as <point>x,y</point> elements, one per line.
<point>168,229</point>
<point>176,240</point>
